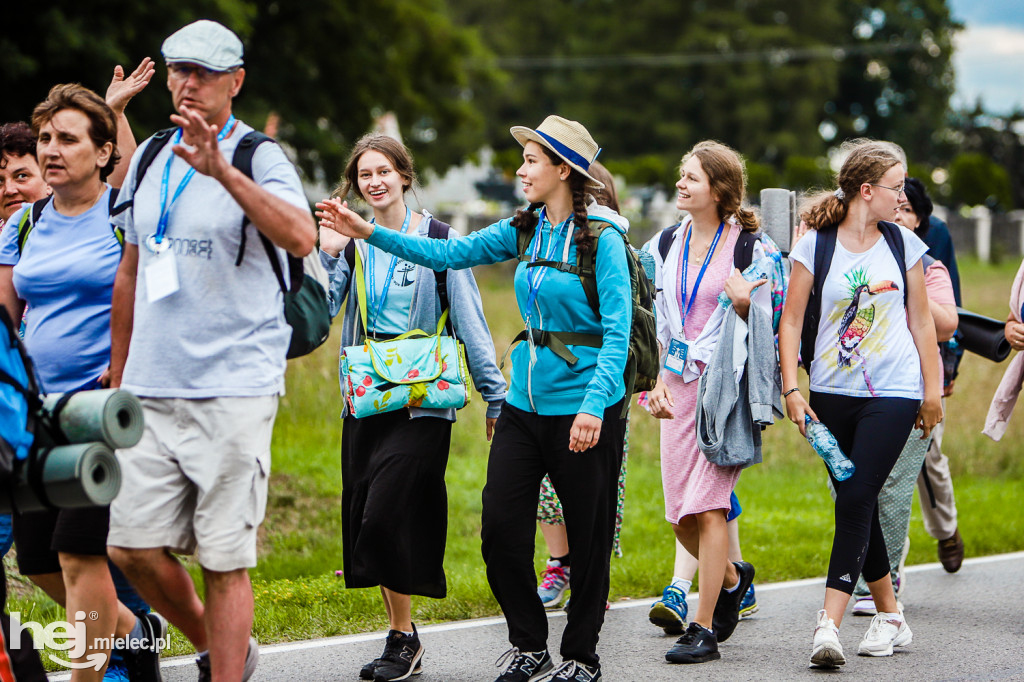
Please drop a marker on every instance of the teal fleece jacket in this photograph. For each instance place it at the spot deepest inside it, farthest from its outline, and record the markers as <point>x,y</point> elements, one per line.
<point>548,385</point>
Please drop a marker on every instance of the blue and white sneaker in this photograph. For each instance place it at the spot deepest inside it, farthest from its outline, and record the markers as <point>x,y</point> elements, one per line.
<point>748,606</point>
<point>554,582</point>
<point>669,612</point>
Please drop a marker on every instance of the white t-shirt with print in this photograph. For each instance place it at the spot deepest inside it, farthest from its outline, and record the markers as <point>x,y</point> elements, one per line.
<point>864,347</point>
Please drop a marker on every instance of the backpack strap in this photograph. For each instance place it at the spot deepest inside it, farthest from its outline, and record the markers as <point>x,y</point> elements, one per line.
<point>439,230</point>
<point>157,142</point>
<point>743,253</point>
<point>824,249</point>
<point>118,232</point>
<point>523,238</point>
<point>29,219</point>
<point>891,233</point>
<point>350,254</point>
<point>242,160</point>
<point>665,240</point>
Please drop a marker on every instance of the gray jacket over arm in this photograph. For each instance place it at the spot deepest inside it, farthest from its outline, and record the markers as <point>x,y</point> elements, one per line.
<point>738,393</point>
<point>467,316</point>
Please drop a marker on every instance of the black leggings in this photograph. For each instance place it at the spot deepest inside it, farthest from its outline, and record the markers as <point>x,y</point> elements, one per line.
<point>872,433</point>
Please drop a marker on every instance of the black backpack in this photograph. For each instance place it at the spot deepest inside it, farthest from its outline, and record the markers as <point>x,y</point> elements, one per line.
<point>305,299</point>
<point>824,249</point>
<point>742,255</point>
<point>643,362</point>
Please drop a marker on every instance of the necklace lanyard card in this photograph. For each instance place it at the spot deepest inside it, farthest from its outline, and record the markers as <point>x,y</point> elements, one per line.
<point>161,276</point>
<point>675,358</point>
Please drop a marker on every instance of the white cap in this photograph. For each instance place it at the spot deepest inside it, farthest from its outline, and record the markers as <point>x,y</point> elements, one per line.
<point>206,43</point>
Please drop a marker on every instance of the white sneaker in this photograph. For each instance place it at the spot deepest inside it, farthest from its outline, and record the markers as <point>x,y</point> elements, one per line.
<point>827,651</point>
<point>887,630</point>
<point>864,606</point>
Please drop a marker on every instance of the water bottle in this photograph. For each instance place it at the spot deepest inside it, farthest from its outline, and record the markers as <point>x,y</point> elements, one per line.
<point>759,269</point>
<point>824,443</point>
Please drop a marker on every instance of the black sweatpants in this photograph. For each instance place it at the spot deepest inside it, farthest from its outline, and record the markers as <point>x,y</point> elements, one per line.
<point>872,433</point>
<point>525,447</point>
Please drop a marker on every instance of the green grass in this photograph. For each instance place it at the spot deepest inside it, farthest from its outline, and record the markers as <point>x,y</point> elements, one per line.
<point>786,529</point>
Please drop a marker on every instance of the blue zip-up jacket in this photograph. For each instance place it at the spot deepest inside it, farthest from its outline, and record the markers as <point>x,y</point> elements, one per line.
<point>549,386</point>
<point>466,314</point>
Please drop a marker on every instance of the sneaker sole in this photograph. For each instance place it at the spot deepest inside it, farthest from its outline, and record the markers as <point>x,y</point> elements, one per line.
<point>902,639</point>
<point>748,612</point>
<point>252,659</point>
<point>827,657</point>
<point>667,619</point>
<point>680,658</point>
<point>543,672</point>
<point>864,611</point>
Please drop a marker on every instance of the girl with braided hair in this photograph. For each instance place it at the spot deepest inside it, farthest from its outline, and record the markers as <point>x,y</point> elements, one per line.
<point>563,412</point>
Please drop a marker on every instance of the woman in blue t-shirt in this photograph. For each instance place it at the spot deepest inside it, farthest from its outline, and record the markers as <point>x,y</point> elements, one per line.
<point>563,414</point>
<point>63,269</point>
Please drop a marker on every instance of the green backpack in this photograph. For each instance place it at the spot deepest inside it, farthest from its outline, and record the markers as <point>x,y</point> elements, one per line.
<point>643,362</point>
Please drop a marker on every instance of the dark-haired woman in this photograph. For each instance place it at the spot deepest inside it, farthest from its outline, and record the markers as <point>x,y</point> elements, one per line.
<point>394,501</point>
<point>696,269</point>
<point>64,272</point>
<point>563,412</point>
<point>874,374</point>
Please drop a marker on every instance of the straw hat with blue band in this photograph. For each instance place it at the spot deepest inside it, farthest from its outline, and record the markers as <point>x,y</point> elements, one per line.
<point>568,139</point>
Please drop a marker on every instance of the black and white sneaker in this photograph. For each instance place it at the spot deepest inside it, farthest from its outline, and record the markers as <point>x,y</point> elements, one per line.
<point>727,608</point>
<point>252,657</point>
<point>574,671</point>
<point>697,645</point>
<point>142,656</point>
<point>524,666</point>
<point>401,657</point>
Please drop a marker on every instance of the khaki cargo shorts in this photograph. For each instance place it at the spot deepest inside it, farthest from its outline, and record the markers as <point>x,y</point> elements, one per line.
<point>197,481</point>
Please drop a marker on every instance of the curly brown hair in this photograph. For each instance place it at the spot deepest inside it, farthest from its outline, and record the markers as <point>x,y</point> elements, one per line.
<point>102,121</point>
<point>16,140</point>
<point>728,179</point>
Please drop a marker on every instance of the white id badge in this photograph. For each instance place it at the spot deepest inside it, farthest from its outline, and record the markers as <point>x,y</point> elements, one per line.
<point>675,359</point>
<point>161,277</point>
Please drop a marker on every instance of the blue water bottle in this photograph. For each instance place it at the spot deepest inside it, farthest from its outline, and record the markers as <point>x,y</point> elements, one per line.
<point>824,443</point>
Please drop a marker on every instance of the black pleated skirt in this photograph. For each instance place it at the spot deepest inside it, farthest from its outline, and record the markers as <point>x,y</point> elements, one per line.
<point>394,502</point>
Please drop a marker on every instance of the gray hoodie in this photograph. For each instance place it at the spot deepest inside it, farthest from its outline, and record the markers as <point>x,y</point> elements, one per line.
<point>466,314</point>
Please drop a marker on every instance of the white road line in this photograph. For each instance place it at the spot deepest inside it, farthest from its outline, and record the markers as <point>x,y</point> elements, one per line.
<point>272,649</point>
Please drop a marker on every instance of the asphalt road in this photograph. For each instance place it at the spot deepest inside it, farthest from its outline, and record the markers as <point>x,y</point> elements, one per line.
<point>967,626</point>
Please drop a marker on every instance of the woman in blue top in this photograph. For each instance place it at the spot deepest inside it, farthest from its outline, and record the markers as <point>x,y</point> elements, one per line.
<point>64,271</point>
<point>394,501</point>
<point>562,417</point>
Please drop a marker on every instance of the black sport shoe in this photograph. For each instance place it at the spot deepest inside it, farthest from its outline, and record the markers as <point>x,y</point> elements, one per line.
<point>524,666</point>
<point>142,656</point>
<point>727,608</point>
<point>401,657</point>
<point>574,671</point>
<point>697,645</point>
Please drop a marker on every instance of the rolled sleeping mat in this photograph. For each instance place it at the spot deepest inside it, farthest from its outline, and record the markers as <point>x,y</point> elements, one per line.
<point>71,476</point>
<point>778,216</point>
<point>983,335</point>
<point>108,415</point>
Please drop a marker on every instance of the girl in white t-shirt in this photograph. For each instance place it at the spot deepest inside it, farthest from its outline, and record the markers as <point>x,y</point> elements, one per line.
<point>873,376</point>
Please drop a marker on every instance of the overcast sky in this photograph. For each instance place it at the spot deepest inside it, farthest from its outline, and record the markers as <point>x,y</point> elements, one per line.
<point>989,59</point>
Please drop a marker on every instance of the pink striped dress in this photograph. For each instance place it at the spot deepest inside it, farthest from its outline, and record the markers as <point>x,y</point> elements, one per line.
<point>692,484</point>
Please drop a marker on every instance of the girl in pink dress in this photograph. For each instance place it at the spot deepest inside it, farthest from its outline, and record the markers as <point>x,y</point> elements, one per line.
<point>696,269</point>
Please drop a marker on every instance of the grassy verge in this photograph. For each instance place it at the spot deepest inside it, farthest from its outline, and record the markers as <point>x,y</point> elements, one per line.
<point>786,527</point>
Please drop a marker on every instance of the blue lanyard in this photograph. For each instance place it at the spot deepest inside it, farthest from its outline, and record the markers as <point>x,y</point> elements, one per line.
<point>165,208</point>
<point>391,271</point>
<point>700,275</point>
<point>534,281</point>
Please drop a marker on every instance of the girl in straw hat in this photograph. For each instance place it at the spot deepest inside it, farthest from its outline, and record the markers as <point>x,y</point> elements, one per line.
<point>696,268</point>
<point>562,416</point>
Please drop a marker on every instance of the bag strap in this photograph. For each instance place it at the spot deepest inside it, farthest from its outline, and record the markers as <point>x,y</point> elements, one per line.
<point>665,240</point>
<point>157,142</point>
<point>891,233</point>
<point>743,253</point>
<point>28,221</point>
<point>557,342</point>
<point>439,230</point>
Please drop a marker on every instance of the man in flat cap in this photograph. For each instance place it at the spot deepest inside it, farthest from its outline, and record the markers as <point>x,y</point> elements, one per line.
<point>199,334</point>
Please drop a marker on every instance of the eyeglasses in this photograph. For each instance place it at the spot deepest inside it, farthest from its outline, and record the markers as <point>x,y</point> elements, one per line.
<point>898,190</point>
<point>183,71</point>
